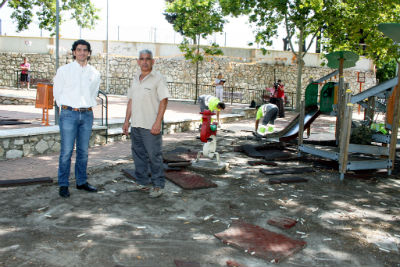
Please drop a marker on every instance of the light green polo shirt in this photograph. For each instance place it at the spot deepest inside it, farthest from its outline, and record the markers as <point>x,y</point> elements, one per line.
<point>263,110</point>
<point>212,103</point>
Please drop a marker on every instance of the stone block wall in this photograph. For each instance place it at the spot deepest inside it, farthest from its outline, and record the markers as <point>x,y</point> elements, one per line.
<point>39,144</point>
<point>8,100</point>
<point>238,72</point>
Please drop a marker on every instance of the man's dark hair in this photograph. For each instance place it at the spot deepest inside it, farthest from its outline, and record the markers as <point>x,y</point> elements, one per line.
<point>221,105</point>
<point>81,42</point>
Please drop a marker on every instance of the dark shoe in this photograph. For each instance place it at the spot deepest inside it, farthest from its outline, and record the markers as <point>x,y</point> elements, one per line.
<point>64,192</point>
<point>86,187</point>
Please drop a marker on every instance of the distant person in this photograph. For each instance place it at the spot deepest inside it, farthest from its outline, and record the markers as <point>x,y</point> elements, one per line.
<point>76,86</point>
<point>148,100</point>
<point>267,113</point>
<point>25,77</point>
<point>211,103</point>
<point>278,97</point>
<point>219,87</point>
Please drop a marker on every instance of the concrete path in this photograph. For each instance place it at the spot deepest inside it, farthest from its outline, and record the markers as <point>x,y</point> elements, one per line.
<point>176,110</point>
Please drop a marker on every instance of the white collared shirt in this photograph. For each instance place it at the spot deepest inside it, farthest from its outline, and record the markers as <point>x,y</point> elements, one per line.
<point>146,96</point>
<point>76,86</point>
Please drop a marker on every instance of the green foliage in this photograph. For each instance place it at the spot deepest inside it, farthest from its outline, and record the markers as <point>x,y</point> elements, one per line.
<point>83,11</point>
<point>361,135</point>
<point>267,15</point>
<point>386,71</point>
<point>191,52</point>
<point>353,25</point>
<point>192,18</point>
<point>195,19</point>
<point>302,19</point>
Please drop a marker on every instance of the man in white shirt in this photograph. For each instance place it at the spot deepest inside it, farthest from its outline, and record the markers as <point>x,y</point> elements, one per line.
<point>148,100</point>
<point>76,86</point>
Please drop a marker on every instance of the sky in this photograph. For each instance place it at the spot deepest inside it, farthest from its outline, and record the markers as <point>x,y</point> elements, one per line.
<point>137,20</point>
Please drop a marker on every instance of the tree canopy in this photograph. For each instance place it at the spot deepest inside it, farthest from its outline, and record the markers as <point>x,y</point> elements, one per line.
<point>195,19</point>
<point>353,25</point>
<point>82,11</point>
<point>302,19</point>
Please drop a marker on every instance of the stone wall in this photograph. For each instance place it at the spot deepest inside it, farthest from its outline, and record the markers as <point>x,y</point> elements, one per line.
<point>17,100</point>
<point>238,73</point>
<point>14,146</point>
<point>19,143</point>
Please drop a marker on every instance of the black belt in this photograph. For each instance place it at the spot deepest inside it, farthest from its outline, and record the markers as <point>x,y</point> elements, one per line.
<point>76,109</point>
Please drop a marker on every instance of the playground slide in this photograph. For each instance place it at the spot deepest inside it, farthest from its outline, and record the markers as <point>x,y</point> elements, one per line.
<point>292,129</point>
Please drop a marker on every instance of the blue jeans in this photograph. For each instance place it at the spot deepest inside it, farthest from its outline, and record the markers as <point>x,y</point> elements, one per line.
<point>147,156</point>
<point>74,126</point>
<point>270,117</point>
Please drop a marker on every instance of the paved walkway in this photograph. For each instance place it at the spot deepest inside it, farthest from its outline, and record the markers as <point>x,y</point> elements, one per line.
<point>117,108</point>
<point>119,152</point>
<point>99,157</point>
<point>112,154</point>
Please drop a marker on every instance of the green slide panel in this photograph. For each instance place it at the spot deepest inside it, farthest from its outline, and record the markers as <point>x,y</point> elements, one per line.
<point>327,97</point>
<point>311,96</point>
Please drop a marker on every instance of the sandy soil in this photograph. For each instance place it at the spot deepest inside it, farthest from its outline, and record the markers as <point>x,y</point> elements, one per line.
<point>350,223</point>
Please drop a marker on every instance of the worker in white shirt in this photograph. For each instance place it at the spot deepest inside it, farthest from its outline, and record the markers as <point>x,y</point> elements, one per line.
<point>76,86</point>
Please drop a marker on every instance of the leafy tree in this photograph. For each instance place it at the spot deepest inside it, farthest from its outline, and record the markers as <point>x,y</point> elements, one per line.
<point>195,19</point>
<point>353,25</point>
<point>303,19</point>
<point>83,11</point>
<point>386,71</point>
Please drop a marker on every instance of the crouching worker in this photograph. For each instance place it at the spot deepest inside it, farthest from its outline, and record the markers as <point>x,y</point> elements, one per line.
<point>267,113</point>
<point>211,103</point>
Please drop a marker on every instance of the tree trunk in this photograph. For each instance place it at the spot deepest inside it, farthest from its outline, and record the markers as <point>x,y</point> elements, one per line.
<point>341,105</point>
<point>197,71</point>
<point>300,64</point>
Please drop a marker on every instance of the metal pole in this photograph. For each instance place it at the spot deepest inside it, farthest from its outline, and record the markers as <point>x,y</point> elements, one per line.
<point>56,110</point>
<point>225,39</point>
<point>107,63</point>
<point>118,32</point>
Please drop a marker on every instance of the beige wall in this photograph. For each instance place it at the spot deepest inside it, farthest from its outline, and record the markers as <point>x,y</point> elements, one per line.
<point>38,45</point>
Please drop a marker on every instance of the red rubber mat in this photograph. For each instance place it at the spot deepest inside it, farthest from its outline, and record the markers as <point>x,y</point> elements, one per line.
<point>260,242</point>
<point>188,180</point>
<point>282,222</point>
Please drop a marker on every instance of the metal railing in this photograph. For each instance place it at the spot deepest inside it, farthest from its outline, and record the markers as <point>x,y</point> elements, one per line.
<point>179,90</point>
<point>232,94</point>
<point>35,77</point>
<point>104,110</point>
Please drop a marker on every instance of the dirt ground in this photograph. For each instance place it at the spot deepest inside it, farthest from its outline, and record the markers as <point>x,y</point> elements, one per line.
<point>350,223</point>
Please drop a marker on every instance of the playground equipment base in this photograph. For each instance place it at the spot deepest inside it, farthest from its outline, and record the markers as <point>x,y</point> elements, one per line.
<point>209,166</point>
